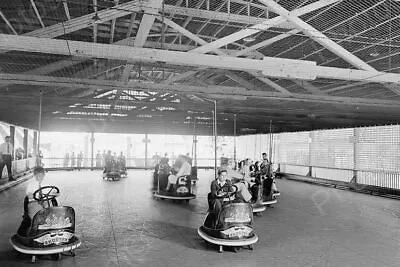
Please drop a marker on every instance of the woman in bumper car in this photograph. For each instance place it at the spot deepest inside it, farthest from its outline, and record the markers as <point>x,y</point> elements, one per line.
<point>181,168</point>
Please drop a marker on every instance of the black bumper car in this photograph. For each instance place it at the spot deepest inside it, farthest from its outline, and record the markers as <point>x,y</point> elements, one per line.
<point>51,231</point>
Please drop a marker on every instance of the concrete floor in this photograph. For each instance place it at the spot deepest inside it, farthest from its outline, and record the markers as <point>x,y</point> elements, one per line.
<point>121,225</point>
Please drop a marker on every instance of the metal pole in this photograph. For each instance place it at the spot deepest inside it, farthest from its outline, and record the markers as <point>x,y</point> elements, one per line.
<point>270,141</point>
<point>38,160</point>
<point>195,144</point>
<point>92,142</point>
<point>145,151</point>
<point>234,139</point>
<point>215,137</point>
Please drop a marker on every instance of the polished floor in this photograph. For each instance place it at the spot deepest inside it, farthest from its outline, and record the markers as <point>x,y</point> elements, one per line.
<point>120,224</point>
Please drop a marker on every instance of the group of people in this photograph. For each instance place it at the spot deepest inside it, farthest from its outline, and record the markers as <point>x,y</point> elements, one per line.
<point>244,179</point>
<point>103,158</point>
<point>73,161</point>
<point>181,167</point>
<point>111,161</point>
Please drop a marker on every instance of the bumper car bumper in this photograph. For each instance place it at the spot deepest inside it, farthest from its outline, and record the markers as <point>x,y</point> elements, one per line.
<point>202,232</point>
<point>19,246</point>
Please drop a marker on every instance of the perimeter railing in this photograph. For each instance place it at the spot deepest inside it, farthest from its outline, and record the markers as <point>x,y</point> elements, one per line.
<point>376,180</point>
<point>20,167</point>
<point>131,163</point>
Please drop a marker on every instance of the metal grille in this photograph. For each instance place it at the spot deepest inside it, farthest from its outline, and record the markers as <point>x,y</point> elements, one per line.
<point>371,153</point>
<point>378,148</point>
<point>293,148</point>
<point>332,148</point>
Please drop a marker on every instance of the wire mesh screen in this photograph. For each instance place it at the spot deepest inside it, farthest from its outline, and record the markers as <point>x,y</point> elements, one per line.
<point>292,148</point>
<point>372,153</point>
<point>332,148</point>
<point>378,148</point>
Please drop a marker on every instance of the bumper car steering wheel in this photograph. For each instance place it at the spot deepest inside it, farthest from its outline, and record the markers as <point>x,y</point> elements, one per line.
<point>46,193</point>
<point>226,195</point>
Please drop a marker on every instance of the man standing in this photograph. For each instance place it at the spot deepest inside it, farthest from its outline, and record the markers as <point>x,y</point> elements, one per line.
<point>6,155</point>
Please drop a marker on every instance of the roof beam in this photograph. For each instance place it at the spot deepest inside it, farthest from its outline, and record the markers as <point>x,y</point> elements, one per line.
<point>317,36</point>
<point>266,24</point>
<point>147,22</point>
<point>113,22</point>
<point>269,66</point>
<point>131,24</point>
<point>265,43</point>
<point>37,13</point>
<point>66,9</point>
<point>309,87</point>
<point>201,41</point>
<point>275,67</point>
<point>8,23</point>
<point>95,28</point>
<point>223,91</point>
<point>85,21</point>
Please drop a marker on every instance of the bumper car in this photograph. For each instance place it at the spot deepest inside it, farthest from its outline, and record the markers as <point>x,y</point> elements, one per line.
<point>123,172</point>
<point>269,196</point>
<point>122,168</point>
<point>112,172</point>
<point>51,231</point>
<point>231,227</point>
<point>180,191</point>
<point>256,196</point>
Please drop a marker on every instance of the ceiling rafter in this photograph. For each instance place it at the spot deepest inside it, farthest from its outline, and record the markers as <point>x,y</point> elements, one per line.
<point>113,22</point>
<point>203,42</point>
<point>66,9</point>
<point>224,91</point>
<point>272,67</point>
<point>8,23</point>
<point>95,28</point>
<point>266,24</point>
<point>37,13</point>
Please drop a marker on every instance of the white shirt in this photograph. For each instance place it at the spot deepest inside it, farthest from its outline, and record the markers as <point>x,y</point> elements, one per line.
<point>6,148</point>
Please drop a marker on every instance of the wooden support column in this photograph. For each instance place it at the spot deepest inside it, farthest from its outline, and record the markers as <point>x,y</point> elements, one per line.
<point>85,150</point>
<point>12,136</point>
<point>146,140</point>
<point>25,143</point>
<point>310,140</point>
<point>128,150</point>
<point>234,140</point>
<point>353,181</point>
<point>35,143</point>
<point>92,140</point>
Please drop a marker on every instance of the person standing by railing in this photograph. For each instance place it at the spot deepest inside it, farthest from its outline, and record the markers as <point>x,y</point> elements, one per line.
<point>73,159</point>
<point>79,160</point>
<point>6,156</point>
<point>66,160</point>
<point>98,159</point>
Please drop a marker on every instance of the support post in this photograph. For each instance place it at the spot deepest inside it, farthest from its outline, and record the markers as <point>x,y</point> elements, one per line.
<point>92,140</point>
<point>25,144</point>
<point>146,141</point>
<point>35,143</point>
<point>12,136</point>
<point>215,137</point>
<point>195,145</point>
<point>310,139</point>
<point>353,181</point>
<point>234,140</point>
